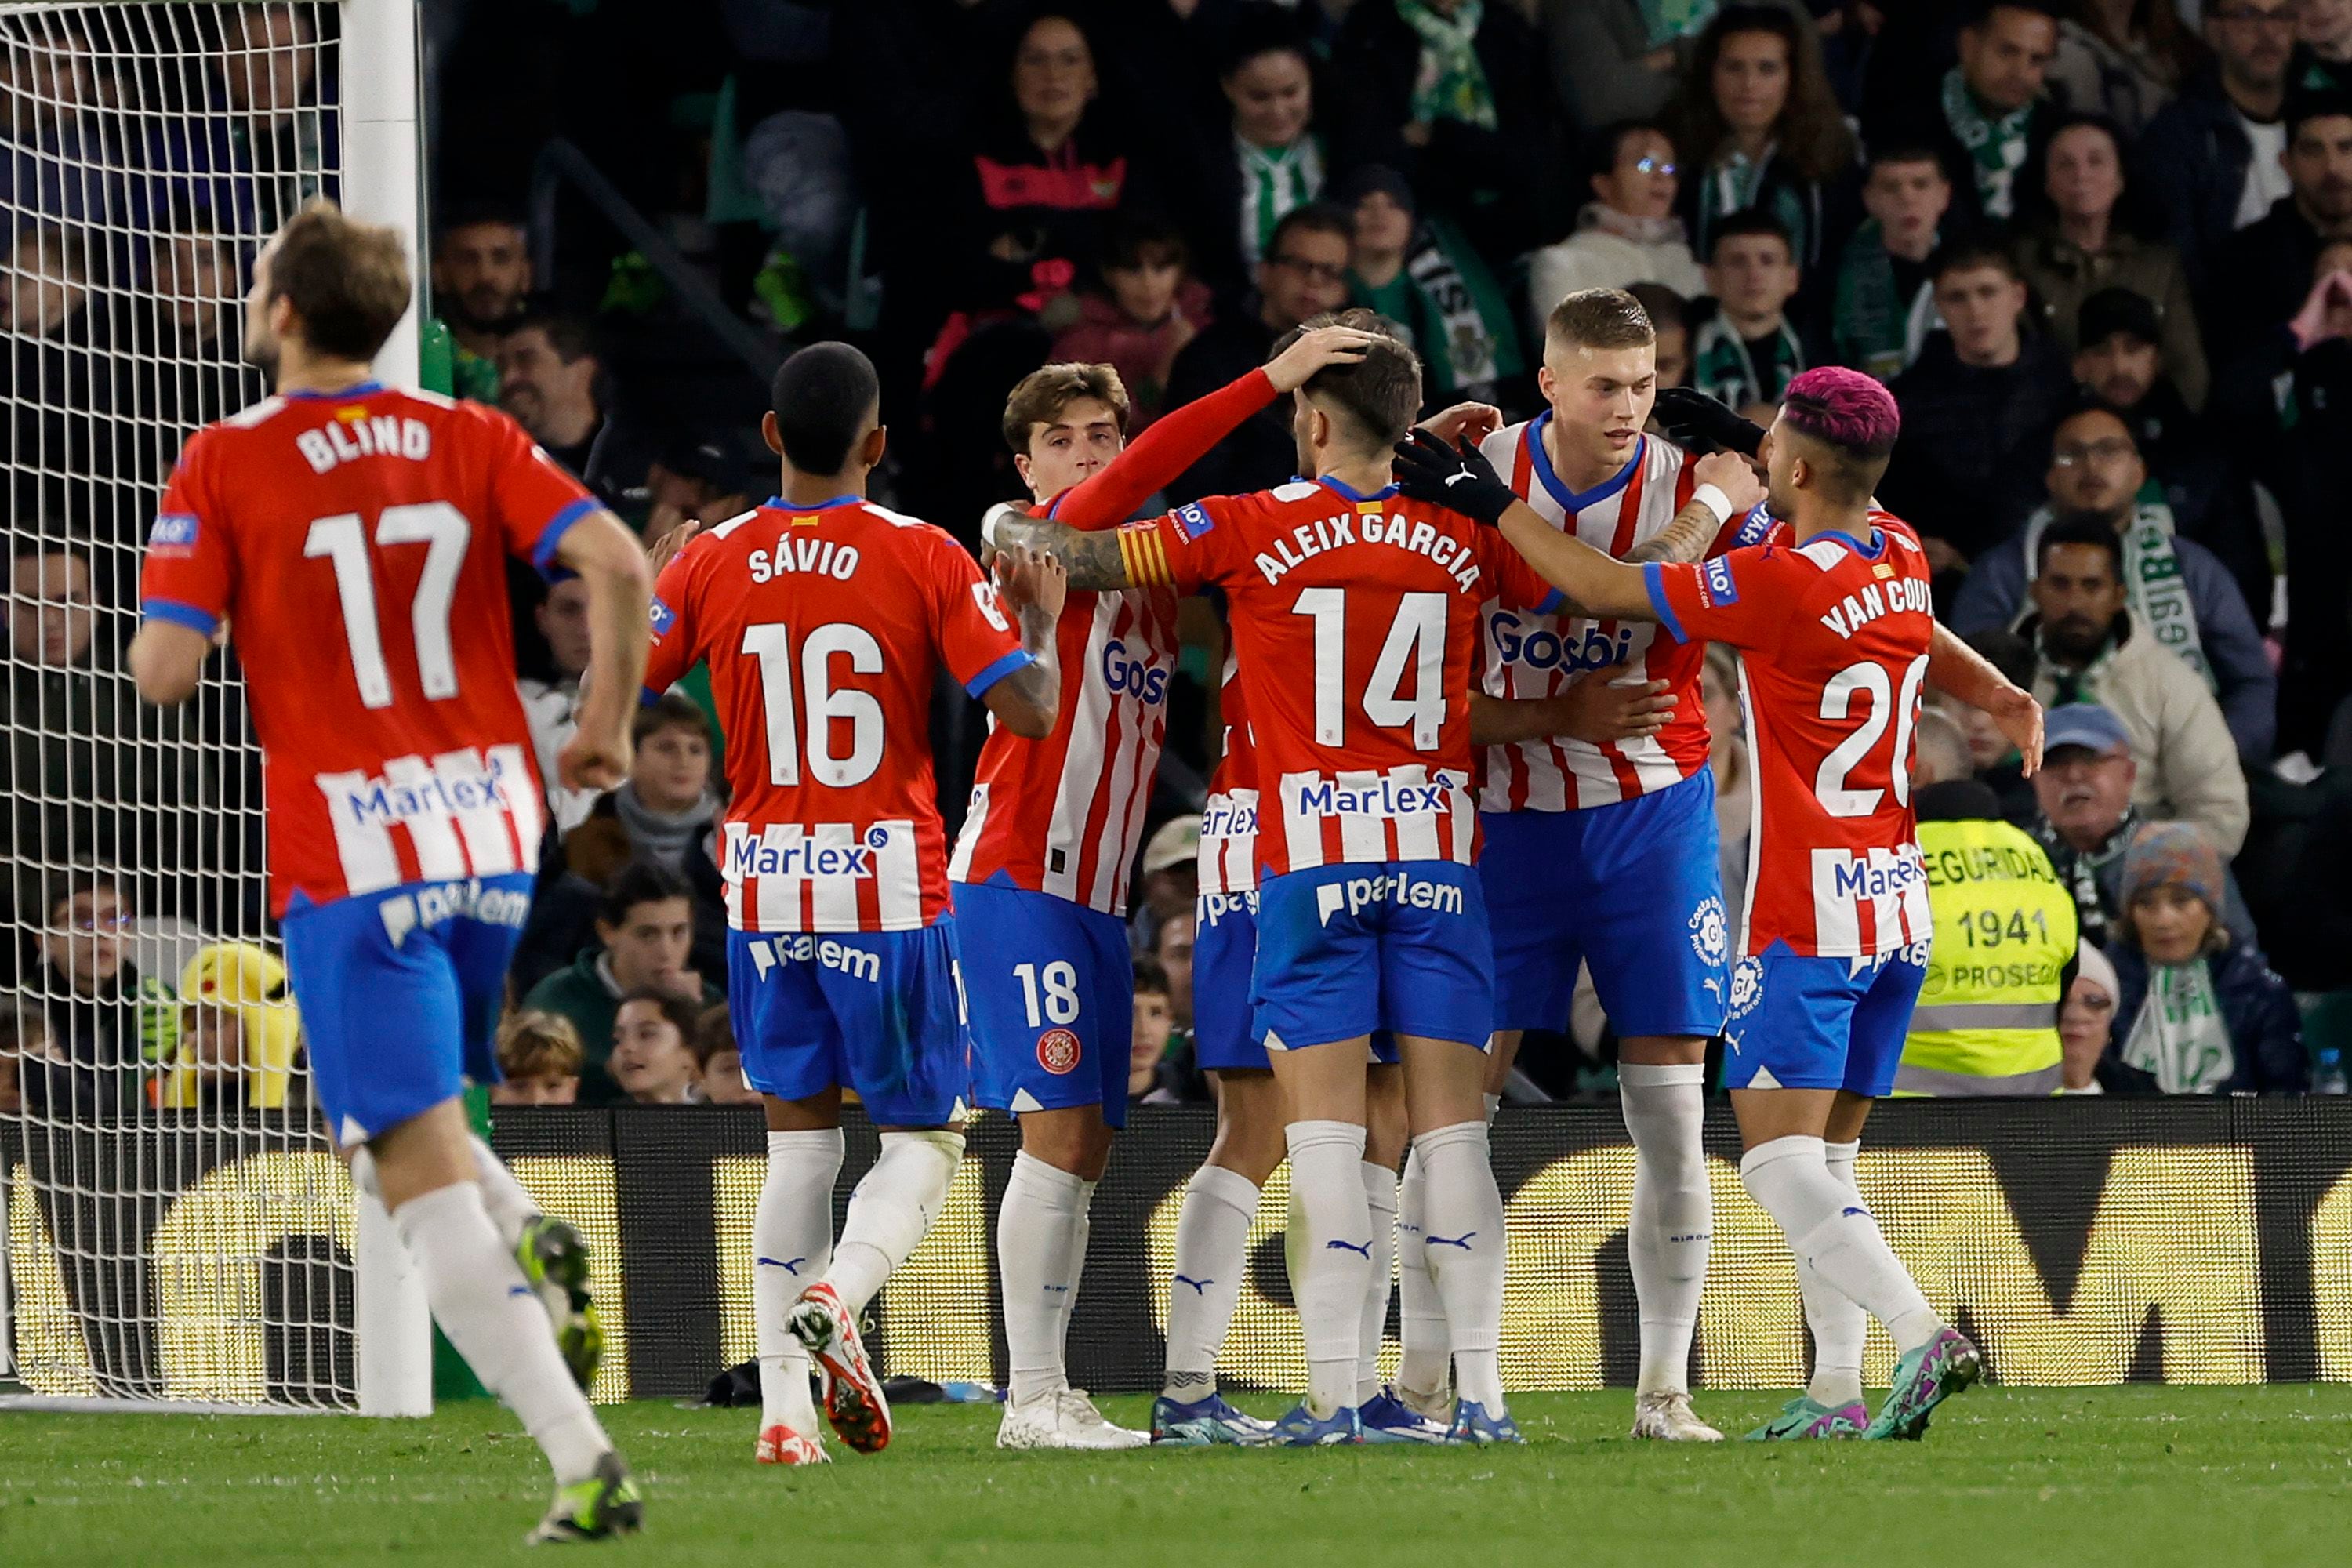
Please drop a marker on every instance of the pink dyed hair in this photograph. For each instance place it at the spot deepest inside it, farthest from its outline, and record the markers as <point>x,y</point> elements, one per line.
<point>1845,409</point>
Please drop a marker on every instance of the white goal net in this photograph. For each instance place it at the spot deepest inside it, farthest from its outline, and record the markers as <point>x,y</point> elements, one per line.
<point>177,1227</point>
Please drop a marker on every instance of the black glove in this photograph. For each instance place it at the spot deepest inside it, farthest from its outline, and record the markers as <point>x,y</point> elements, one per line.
<point>1701,425</point>
<point>1461,481</point>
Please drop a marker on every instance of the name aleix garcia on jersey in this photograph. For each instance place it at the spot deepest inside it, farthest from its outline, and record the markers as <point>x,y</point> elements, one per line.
<point>1363,523</point>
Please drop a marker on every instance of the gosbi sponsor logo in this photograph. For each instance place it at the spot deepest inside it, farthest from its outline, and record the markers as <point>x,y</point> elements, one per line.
<point>1057,1051</point>
<point>1130,676</point>
<point>1402,888</point>
<point>1216,907</point>
<point>1547,649</point>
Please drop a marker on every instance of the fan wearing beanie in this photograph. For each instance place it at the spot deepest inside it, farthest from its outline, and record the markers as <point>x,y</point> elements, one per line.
<point>2197,1012</point>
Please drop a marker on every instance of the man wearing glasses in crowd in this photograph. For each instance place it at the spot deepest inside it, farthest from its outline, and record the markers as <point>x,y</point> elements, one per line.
<point>1303,273</point>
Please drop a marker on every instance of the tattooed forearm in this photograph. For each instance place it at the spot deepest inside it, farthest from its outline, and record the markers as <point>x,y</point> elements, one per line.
<point>1685,539</point>
<point>1093,560</point>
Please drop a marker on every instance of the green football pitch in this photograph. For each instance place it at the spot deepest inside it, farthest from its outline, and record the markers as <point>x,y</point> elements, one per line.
<point>2140,1475</point>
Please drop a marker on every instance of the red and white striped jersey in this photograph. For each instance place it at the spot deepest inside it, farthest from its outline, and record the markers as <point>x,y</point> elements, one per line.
<point>1833,637</point>
<point>1355,621</point>
<point>1228,855</point>
<point>824,629</point>
<point>356,544</point>
<point>1063,816</point>
<point>1537,655</point>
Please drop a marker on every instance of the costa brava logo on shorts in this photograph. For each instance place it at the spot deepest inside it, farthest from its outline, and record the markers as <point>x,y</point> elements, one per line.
<point>1710,935</point>
<point>1747,986</point>
<point>1057,1051</point>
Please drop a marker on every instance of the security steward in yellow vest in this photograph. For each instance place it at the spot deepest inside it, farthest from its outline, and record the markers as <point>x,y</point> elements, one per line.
<point>1987,1022</point>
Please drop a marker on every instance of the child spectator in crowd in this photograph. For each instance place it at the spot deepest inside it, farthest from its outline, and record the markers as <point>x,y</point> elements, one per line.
<point>719,1065</point>
<point>667,802</point>
<point>1148,308</point>
<point>1627,233</point>
<point>1884,307</point>
<point>1424,276</point>
<point>644,934</point>
<point>238,1032</point>
<point>1155,1026</point>
<point>653,1057</point>
<point>2197,1012</point>
<point>1747,352</point>
<point>541,1058</point>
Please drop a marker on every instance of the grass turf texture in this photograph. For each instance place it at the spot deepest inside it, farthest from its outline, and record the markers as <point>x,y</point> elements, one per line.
<point>2141,1475</point>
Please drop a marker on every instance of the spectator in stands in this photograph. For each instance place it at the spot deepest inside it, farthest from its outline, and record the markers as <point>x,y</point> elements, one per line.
<point>1457,95</point>
<point>1991,759</point>
<point>1304,273</point>
<point>1267,160</point>
<point>539,1060</point>
<point>1669,316</point>
<point>1173,949</point>
<point>1627,233</point>
<point>2177,590</point>
<point>2121,58</point>
<point>668,803</point>
<point>2084,817</point>
<point>643,936</point>
<point>2261,273</point>
<point>89,990</point>
<point>1172,879</point>
<point>2086,1019</point>
<point>548,380</point>
<point>2322,61</point>
<point>1423,274</point>
<point>1760,127</point>
<point>1748,351</point>
<point>1617,59</point>
<point>576,870</point>
<point>718,1064</point>
<point>2093,648</point>
<point>548,701</point>
<point>2303,463</point>
<point>1148,307</point>
<point>653,1048</point>
<point>707,479</point>
<point>24,1048</point>
<point>1884,306</point>
<point>281,147</point>
<point>481,284</point>
<point>2079,238</point>
<point>1987,113</point>
<point>70,771</point>
<point>1976,408</point>
<point>2212,154</point>
<point>194,376</point>
<point>1155,1025</point>
<point>2197,1010</point>
<point>238,1032</point>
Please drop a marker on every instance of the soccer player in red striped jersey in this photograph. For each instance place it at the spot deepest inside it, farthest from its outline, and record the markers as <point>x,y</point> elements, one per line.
<point>1354,623</point>
<point>825,620</point>
<point>1834,623</point>
<point>1041,867</point>
<point>354,540</point>
<point>1604,856</point>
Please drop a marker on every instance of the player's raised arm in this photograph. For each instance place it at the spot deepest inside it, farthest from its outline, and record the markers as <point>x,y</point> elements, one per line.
<point>1461,479</point>
<point>184,585</point>
<point>1029,699</point>
<point>1956,667</point>
<point>1096,562</point>
<point>607,557</point>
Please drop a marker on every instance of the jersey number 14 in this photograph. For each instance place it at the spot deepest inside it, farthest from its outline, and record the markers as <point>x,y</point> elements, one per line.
<point>1416,639</point>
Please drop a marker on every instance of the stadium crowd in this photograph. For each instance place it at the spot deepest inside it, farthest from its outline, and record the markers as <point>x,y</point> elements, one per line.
<point>2101,251</point>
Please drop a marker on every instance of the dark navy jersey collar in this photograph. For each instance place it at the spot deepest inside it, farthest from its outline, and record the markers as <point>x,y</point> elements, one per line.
<point>1575,501</point>
<point>361,390</point>
<point>778,503</point>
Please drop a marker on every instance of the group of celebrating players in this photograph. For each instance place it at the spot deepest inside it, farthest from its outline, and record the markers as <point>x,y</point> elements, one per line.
<point>1441,636</point>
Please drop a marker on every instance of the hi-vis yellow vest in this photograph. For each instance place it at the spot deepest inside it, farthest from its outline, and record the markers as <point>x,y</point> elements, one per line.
<point>1986,1021</point>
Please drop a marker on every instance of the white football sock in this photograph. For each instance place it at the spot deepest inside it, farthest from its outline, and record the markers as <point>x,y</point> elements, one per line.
<point>1211,1255</point>
<point>1494,1104</point>
<point>1380,1199</point>
<point>509,1205</point>
<point>1080,1240</point>
<point>1667,1236</point>
<point>1036,1229</point>
<point>1462,1219</point>
<point>1839,1326</point>
<point>792,1245</point>
<point>1421,1314</point>
<point>363,1173</point>
<point>893,1207</point>
<point>481,1303</point>
<point>1830,1228</point>
<point>1331,1262</point>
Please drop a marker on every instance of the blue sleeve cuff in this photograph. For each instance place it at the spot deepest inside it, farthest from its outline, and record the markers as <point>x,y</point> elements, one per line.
<point>647,697</point>
<point>180,615</point>
<point>542,555</point>
<point>1019,658</point>
<point>1655,581</point>
<point>1552,603</point>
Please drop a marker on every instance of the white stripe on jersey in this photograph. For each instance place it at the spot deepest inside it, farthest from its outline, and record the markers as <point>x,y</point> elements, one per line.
<point>1082,766</point>
<point>833,901</point>
<point>1373,825</point>
<point>975,821</point>
<point>465,817</point>
<point>483,825</point>
<point>1228,857</point>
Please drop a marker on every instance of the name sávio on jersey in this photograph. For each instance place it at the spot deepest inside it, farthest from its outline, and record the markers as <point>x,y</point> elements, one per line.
<point>1547,649</point>
<point>1401,889</point>
<point>1384,798</point>
<point>813,557</point>
<point>803,857</point>
<point>771,954</point>
<point>1290,551</point>
<point>347,439</point>
<point>429,907</point>
<point>1873,600</point>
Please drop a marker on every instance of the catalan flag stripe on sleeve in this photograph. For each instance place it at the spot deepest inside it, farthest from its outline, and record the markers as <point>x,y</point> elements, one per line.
<point>1144,556</point>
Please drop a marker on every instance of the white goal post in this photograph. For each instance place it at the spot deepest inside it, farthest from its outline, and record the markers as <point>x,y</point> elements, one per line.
<point>175,1231</point>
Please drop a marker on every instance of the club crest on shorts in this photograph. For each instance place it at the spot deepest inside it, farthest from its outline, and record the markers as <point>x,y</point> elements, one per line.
<point>1747,986</point>
<point>1710,935</point>
<point>1057,1051</point>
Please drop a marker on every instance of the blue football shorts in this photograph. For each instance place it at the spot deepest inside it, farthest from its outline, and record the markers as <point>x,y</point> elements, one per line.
<point>1821,1022</point>
<point>1052,989</point>
<point>1356,949</point>
<point>873,1011</point>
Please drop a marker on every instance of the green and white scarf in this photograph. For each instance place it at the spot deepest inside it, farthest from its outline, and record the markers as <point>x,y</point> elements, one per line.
<point>1670,21</point>
<point>1449,83</point>
<point>1878,331</point>
<point>1722,367</point>
<point>1997,147</point>
<point>1451,309</point>
<point>2154,586</point>
<point>1734,182</point>
<point>1274,181</point>
<point>2180,1037</point>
